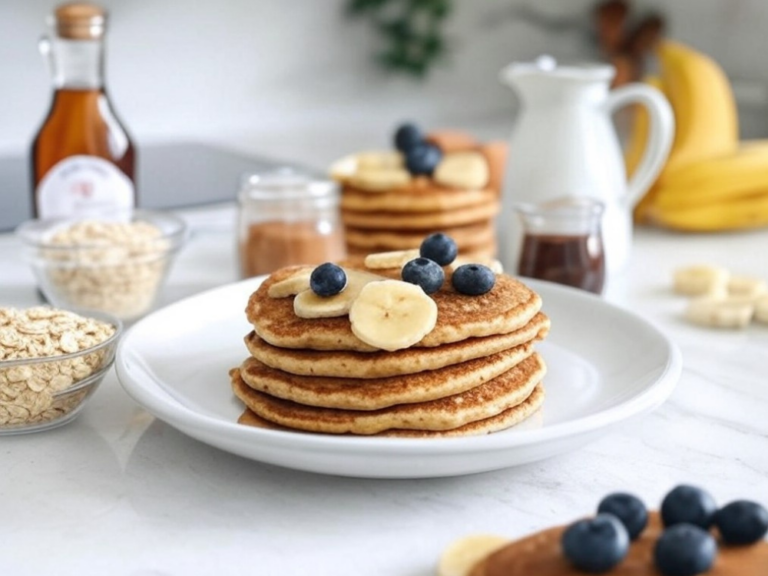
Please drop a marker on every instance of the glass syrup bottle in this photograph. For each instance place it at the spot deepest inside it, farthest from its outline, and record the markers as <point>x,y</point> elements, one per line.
<point>82,158</point>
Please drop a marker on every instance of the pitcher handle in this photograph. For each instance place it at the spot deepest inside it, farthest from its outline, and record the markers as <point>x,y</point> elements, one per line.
<point>660,134</point>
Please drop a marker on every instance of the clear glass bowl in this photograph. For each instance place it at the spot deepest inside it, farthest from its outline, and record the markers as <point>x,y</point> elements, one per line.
<point>122,278</point>
<point>30,398</point>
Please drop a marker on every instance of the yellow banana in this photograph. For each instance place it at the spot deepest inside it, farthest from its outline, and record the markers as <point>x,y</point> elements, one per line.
<point>746,212</point>
<point>706,120</point>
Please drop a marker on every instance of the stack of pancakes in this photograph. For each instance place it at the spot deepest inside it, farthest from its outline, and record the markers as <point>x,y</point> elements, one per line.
<point>476,372</point>
<point>400,218</point>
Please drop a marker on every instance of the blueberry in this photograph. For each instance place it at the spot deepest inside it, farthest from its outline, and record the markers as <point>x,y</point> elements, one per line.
<point>596,545</point>
<point>439,247</point>
<point>423,158</point>
<point>629,509</point>
<point>407,136</point>
<point>327,279</point>
<point>684,550</point>
<point>742,522</point>
<point>688,504</point>
<point>425,273</point>
<point>473,279</point>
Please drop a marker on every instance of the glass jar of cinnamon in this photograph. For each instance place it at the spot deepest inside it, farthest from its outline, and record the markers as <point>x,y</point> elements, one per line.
<point>287,217</point>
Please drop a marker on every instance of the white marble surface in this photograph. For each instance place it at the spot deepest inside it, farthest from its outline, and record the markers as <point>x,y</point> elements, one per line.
<point>118,492</point>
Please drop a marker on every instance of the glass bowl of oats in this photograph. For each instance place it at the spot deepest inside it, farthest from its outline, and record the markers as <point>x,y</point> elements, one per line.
<point>115,263</point>
<point>51,361</point>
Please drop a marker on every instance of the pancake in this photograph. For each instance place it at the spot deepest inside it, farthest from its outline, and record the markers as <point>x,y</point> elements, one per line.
<point>501,393</point>
<point>501,421</point>
<point>432,199</point>
<point>510,305</point>
<point>420,221</point>
<point>345,364</point>
<point>376,393</point>
<point>541,554</point>
<point>465,237</point>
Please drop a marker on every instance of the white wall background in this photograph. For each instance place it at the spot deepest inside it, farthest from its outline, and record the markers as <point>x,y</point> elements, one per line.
<point>295,79</point>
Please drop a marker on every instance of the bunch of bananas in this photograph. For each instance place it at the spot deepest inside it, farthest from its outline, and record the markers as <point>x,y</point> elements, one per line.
<point>711,181</point>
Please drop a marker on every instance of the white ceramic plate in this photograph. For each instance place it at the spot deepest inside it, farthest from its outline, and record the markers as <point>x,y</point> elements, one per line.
<point>605,365</point>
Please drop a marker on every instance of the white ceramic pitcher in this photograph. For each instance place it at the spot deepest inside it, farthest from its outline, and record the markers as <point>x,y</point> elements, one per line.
<point>564,144</point>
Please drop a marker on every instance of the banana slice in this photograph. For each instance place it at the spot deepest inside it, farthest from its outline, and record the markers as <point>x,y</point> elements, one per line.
<point>307,304</point>
<point>394,259</point>
<point>730,312</point>
<point>761,309</point>
<point>463,170</point>
<point>701,280</point>
<point>392,315</point>
<point>747,286</point>
<point>380,159</point>
<point>380,179</point>
<point>291,285</point>
<point>495,266</point>
<point>461,556</point>
<point>343,169</point>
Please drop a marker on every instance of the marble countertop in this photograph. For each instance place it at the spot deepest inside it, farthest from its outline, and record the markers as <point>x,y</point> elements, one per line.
<point>119,492</point>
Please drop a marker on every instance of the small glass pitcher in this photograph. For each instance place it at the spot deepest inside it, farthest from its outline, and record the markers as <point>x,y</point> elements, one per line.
<point>562,242</point>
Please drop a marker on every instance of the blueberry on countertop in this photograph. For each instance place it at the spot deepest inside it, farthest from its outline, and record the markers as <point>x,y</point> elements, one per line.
<point>327,279</point>
<point>422,159</point>
<point>596,545</point>
<point>425,273</point>
<point>407,136</point>
<point>629,509</point>
<point>684,550</point>
<point>742,522</point>
<point>688,504</point>
<point>473,279</point>
<point>439,247</point>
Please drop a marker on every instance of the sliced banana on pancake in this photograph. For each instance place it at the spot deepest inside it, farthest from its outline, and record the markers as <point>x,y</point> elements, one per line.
<point>747,287</point>
<point>393,259</point>
<point>307,304</point>
<point>730,312</point>
<point>461,556</point>
<point>380,179</point>
<point>392,315</point>
<point>701,280</point>
<point>292,285</point>
<point>463,170</point>
<point>495,266</point>
<point>380,159</point>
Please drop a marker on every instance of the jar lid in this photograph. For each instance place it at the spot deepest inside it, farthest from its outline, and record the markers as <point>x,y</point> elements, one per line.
<point>80,21</point>
<point>287,184</point>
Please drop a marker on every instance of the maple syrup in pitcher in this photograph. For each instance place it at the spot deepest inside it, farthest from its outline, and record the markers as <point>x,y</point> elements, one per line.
<point>563,243</point>
<point>82,156</point>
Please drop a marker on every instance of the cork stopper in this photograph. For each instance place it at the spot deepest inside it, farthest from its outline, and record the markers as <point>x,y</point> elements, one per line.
<point>80,21</point>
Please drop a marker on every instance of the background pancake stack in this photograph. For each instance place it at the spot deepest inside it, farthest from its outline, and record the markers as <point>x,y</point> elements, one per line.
<point>476,372</point>
<point>391,202</point>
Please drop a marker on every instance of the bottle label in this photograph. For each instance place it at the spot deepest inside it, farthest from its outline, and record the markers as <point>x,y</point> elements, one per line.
<point>83,186</point>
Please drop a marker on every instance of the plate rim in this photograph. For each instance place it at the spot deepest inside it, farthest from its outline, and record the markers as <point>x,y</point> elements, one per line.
<point>178,415</point>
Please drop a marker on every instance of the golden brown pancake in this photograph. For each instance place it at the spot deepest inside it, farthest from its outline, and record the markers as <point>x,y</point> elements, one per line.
<point>376,393</point>
<point>433,199</point>
<point>484,401</point>
<point>388,220</point>
<point>541,554</point>
<point>466,238</point>
<point>510,305</point>
<point>501,421</point>
<point>345,364</point>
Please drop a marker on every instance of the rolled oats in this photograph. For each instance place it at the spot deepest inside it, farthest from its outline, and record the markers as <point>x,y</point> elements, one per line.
<point>31,393</point>
<point>116,267</point>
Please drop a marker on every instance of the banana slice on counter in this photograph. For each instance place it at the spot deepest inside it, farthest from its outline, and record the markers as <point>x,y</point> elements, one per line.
<point>747,287</point>
<point>728,312</point>
<point>460,557</point>
<point>761,309</point>
<point>292,285</point>
<point>394,259</point>
<point>307,304</point>
<point>392,315</point>
<point>701,280</point>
